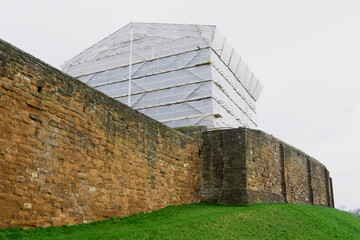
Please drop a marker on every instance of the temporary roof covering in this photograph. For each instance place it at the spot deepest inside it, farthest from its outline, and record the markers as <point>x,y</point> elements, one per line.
<point>179,74</point>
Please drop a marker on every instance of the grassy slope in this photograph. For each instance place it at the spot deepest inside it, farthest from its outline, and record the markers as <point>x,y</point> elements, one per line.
<point>205,221</point>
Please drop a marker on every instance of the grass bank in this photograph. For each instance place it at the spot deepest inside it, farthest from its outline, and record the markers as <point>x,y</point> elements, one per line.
<point>208,221</point>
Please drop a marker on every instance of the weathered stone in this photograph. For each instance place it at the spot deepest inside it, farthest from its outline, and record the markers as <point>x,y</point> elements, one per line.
<point>27,206</point>
<point>71,154</point>
<point>242,166</point>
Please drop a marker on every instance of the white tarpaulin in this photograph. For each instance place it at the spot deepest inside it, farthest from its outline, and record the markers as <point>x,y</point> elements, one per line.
<point>181,74</point>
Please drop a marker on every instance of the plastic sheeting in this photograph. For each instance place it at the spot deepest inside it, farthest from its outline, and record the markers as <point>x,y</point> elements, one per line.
<point>181,75</point>
<point>150,41</point>
<point>231,58</point>
<point>148,68</point>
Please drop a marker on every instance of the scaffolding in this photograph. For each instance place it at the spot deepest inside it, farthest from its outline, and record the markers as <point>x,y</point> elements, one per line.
<point>178,74</point>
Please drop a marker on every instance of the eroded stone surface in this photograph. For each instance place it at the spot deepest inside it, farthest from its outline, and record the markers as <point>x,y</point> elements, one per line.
<point>70,154</point>
<point>242,166</point>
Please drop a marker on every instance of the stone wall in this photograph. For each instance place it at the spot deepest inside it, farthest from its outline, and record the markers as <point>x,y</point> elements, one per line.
<point>242,166</point>
<point>69,154</point>
<point>222,168</point>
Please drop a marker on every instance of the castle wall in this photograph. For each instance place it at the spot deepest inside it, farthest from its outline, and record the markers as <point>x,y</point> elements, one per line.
<point>263,160</point>
<point>222,167</point>
<point>264,169</point>
<point>70,154</point>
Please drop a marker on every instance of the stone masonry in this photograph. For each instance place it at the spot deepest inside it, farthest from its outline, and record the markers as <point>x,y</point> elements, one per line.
<point>69,154</point>
<point>241,166</point>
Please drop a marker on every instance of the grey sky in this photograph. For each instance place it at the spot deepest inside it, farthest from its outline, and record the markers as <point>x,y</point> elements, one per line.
<point>306,54</point>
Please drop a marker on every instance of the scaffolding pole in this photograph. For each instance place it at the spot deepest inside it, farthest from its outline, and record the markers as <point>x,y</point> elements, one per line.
<point>130,62</point>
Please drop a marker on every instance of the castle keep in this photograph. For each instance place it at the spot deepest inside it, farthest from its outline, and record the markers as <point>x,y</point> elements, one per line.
<point>71,154</point>
<point>178,74</point>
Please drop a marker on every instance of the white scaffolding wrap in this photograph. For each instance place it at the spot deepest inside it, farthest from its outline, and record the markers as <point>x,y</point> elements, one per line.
<point>181,74</point>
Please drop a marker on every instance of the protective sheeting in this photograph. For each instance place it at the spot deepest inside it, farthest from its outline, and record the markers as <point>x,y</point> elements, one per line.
<point>182,110</point>
<point>230,84</point>
<point>232,59</point>
<point>149,68</point>
<point>223,119</point>
<point>181,74</point>
<point>156,82</point>
<point>150,41</point>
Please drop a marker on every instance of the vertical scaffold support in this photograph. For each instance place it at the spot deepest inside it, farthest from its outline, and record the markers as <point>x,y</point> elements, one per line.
<point>130,62</point>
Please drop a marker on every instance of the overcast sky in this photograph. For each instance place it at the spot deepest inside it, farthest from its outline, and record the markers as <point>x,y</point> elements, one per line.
<point>306,53</point>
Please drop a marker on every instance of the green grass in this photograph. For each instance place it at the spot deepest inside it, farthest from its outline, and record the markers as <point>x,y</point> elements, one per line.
<point>208,221</point>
